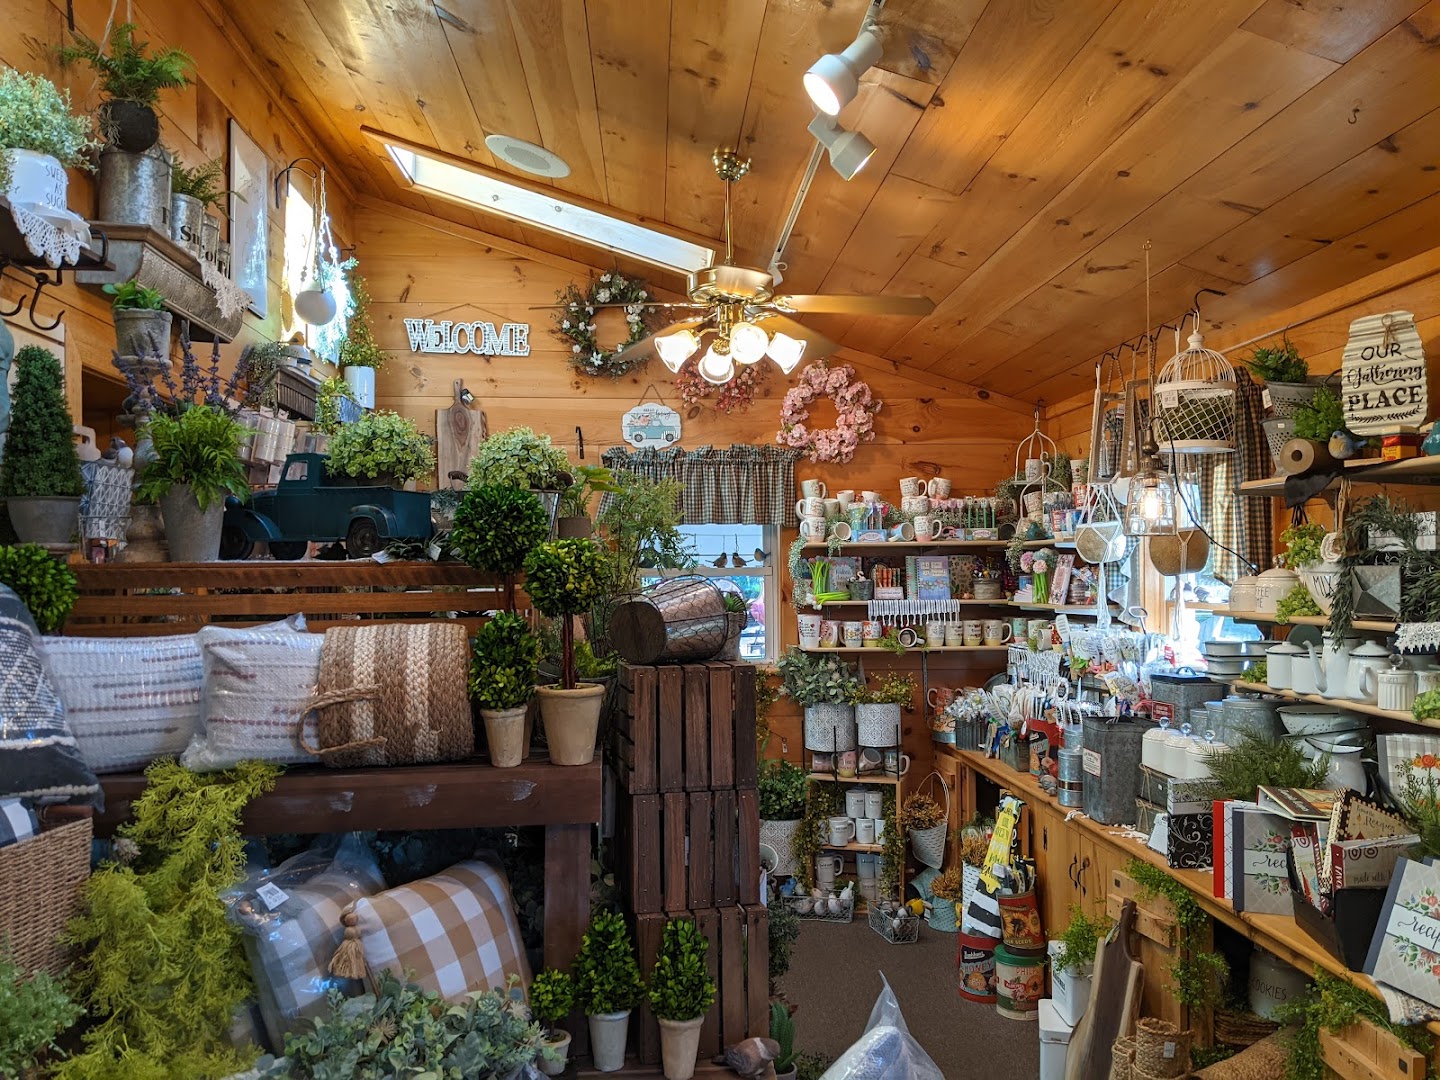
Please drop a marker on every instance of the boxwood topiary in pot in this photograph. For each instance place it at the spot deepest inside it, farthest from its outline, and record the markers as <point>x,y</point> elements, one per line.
<point>40,477</point>
<point>502,679</point>
<point>382,448</point>
<point>44,584</point>
<point>522,458</point>
<point>552,996</point>
<point>564,578</point>
<point>497,526</point>
<point>681,993</point>
<point>608,985</point>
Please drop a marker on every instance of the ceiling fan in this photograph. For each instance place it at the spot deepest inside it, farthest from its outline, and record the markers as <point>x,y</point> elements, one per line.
<point>749,320</point>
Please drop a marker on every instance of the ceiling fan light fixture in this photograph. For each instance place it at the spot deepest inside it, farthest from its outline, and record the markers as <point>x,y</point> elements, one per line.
<point>786,351</point>
<point>717,367</point>
<point>676,348</point>
<point>849,150</point>
<point>833,81</point>
<point>748,343</point>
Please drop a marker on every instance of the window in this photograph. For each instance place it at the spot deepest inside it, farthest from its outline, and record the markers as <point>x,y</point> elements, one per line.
<point>300,240</point>
<point>435,176</point>
<point>297,470</point>
<point>756,580</point>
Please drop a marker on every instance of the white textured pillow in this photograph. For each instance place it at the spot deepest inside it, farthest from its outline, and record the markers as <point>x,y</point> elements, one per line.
<point>255,682</point>
<point>128,700</point>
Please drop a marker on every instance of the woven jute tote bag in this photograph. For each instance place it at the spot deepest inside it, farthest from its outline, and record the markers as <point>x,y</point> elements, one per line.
<point>42,880</point>
<point>393,694</point>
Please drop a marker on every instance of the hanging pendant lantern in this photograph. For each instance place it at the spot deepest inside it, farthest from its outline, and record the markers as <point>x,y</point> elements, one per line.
<point>1150,508</point>
<point>1195,401</point>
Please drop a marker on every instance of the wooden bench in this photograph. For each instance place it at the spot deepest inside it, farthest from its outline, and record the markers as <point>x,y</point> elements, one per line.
<point>179,598</point>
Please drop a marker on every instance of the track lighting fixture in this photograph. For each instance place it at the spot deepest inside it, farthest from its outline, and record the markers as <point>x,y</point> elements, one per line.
<point>849,150</point>
<point>833,81</point>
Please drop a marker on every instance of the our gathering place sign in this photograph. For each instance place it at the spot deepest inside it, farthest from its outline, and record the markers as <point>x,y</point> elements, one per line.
<point>479,338</point>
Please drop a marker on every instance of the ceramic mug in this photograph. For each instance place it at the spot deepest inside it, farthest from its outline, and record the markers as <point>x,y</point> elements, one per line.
<point>864,830</point>
<point>854,634</point>
<point>911,485</point>
<point>845,498</point>
<point>1017,627</point>
<point>870,497</point>
<point>866,866</point>
<point>814,489</point>
<point>954,635</point>
<point>1037,633</point>
<point>822,762</point>
<point>896,763</point>
<point>908,637</point>
<point>871,632</point>
<point>1034,469</point>
<point>915,504</point>
<point>870,760</point>
<point>938,488</point>
<point>879,830</point>
<point>811,506</point>
<point>832,507</point>
<point>826,867</point>
<point>812,528</point>
<point>845,763</point>
<point>934,634</point>
<point>875,802</point>
<point>974,632</point>
<point>927,527</point>
<point>1428,680</point>
<point>810,631</point>
<point>829,633</point>
<point>997,631</point>
<point>841,530</point>
<point>940,697</point>
<point>902,532</point>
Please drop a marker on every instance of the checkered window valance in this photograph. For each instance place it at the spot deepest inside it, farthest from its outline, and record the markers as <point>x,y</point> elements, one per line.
<point>735,485</point>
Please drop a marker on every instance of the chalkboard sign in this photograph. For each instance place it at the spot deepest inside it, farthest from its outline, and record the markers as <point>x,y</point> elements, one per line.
<point>1382,376</point>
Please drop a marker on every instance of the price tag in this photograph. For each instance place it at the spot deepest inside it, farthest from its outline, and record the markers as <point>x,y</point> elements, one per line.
<point>1265,398</point>
<point>271,895</point>
<point>1090,761</point>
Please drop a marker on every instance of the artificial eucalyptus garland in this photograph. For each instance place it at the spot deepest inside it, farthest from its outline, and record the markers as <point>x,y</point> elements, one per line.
<point>574,323</point>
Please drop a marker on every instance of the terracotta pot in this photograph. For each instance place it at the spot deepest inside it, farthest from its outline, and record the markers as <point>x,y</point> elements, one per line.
<point>45,519</point>
<point>559,1041</point>
<point>679,1047</point>
<point>505,735</point>
<point>572,720</point>
<point>607,1040</point>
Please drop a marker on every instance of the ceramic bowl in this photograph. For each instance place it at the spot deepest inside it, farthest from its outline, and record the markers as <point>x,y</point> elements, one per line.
<point>1224,649</point>
<point>1227,666</point>
<point>1313,719</point>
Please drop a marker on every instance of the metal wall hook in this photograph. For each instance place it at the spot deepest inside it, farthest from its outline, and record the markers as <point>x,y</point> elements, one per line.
<point>40,280</point>
<point>294,166</point>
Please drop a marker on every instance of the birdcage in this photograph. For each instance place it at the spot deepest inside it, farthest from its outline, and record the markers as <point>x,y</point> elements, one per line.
<point>1195,402</point>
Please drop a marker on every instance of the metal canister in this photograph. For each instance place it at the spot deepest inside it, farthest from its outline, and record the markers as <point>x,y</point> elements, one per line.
<point>134,189</point>
<point>1247,713</point>
<point>1071,776</point>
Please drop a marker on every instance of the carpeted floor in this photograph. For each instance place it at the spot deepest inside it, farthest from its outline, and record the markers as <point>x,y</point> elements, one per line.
<point>834,979</point>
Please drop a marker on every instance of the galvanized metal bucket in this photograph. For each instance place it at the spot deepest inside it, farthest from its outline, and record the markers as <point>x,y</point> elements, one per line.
<point>135,188</point>
<point>680,619</point>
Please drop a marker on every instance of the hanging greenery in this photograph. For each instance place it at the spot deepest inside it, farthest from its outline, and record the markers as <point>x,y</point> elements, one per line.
<point>573,323</point>
<point>1297,601</point>
<point>359,348</point>
<point>1419,570</point>
<point>1333,1004</point>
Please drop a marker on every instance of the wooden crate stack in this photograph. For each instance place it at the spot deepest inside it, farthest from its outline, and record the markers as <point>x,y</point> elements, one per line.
<point>688,833</point>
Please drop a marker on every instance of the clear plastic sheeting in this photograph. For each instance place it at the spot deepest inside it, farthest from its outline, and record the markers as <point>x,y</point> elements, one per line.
<point>887,1050</point>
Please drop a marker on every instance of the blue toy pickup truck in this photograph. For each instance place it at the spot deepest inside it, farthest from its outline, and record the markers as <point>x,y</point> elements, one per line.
<point>308,505</point>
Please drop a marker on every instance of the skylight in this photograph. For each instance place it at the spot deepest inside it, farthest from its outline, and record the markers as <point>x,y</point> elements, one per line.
<point>438,177</point>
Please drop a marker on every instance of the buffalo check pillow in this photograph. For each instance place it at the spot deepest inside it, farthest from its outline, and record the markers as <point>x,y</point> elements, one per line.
<point>450,933</point>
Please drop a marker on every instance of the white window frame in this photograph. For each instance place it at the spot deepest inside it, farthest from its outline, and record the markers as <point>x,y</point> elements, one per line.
<point>769,573</point>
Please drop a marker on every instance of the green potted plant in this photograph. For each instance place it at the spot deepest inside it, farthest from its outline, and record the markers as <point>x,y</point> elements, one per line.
<point>502,679</point>
<point>34,1011</point>
<point>1285,374</point>
<point>195,465</point>
<point>782,806</point>
<point>877,711</point>
<point>681,993</point>
<point>825,686</point>
<point>588,481</point>
<point>497,526</point>
<point>381,448</point>
<point>737,617</point>
<point>193,193</point>
<point>563,578</point>
<point>40,477</point>
<point>552,996</point>
<point>39,139</point>
<point>131,80</point>
<point>360,355</point>
<point>521,458</point>
<point>142,324</point>
<point>811,1066</point>
<point>45,585</point>
<point>947,890</point>
<point>607,986</point>
<point>328,396</point>
<point>782,1030</point>
<point>1072,963</point>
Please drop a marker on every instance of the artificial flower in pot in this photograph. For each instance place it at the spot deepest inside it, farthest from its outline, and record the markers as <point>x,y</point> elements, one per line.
<point>552,996</point>
<point>39,139</point>
<point>195,465</point>
<point>681,993</point>
<point>564,578</point>
<point>607,986</point>
<point>588,481</point>
<point>142,324</point>
<point>40,478</point>
<point>782,806</point>
<point>360,356</point>
<point>502,679</point>
<point>131,81</point>
<point>381,448</point>
<point>824,686</point>
<point>877,711</point>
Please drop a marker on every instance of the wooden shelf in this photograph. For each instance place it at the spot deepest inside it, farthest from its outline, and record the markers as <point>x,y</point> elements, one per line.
<point>1340,703</point>
<point>1062,545</point>
<point>852,846</point>
<point>1377,625</point>
<point>917,649</point>
<point>1064,609</point>
<point>913,545</point>
<point>963,603</point>
<point>838,779</point>
<point>1420,470</point>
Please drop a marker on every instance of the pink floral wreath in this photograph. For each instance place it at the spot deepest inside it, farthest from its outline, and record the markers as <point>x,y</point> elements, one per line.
<point>853,401</point>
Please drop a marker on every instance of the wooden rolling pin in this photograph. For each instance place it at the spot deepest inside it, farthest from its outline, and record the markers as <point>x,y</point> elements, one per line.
<point>1305,455</point>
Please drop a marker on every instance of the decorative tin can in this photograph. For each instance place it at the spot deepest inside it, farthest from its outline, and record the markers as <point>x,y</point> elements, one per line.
<point>1020,923</point>
<point>975,966</point>
<point>1019,984</point>
<point>1071,777</point>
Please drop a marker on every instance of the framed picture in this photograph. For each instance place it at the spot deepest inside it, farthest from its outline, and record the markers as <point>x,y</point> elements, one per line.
<point>249,208</point>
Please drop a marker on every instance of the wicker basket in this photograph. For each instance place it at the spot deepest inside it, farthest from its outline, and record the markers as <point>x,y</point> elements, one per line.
<point>1153,1037</point>
<point>1235,1028</point>
<point>41,881</point>
<point>1122,1058</point>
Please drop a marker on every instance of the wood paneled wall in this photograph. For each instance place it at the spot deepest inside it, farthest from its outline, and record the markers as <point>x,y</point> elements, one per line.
<point>419,266</point>
<point>230,84</point>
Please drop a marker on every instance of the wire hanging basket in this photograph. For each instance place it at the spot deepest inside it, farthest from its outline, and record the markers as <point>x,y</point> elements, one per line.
<point>1195,402</point>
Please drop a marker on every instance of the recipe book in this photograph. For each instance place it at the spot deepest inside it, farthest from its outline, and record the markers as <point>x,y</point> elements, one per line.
<point>1297,804</point>
<point>1259,841</point>
<point>1405,951</point>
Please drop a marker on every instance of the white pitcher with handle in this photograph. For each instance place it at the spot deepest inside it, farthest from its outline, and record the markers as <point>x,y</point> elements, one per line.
<point>1331,670</point>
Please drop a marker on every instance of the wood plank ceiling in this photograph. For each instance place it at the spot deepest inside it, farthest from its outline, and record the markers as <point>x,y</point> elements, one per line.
<point>1027,149</point>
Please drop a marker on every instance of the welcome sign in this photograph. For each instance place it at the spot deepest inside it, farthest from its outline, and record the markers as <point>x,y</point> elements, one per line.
<point>1383,382</point>
<point>478,338</point>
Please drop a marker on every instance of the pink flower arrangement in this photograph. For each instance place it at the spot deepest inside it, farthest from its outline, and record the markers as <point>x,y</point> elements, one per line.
<point>737,395</point>
<point>1027,562</point>
<point>855,406</point>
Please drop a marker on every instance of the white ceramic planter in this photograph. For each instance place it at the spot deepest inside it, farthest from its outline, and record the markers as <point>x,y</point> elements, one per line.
<point>780,835</point>
<point>608,1032</point>
<point>361,381</point>
<point>558,1041</point>
<point>679,1046</point>
<point>1070,990</point>
<point>572,720</point>
<point>505,735</point>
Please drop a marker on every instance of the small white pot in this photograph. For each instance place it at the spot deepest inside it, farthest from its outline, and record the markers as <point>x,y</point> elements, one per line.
<point>559,1041</point>
<point>679,1047</point>
<point>505,735</point>
<point>608,1032</point>
<point>361,381</point>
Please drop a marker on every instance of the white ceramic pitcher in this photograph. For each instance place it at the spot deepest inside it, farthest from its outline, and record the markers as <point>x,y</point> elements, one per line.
<point>1330,672</point>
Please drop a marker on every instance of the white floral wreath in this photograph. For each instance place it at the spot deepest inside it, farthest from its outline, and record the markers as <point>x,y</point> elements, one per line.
<point>853,401</point>
<point>574,325</point>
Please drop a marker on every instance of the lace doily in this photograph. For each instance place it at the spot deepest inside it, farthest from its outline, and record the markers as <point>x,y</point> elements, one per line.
<point>229,297</point>
<point>1418,637</point>
<point>55,235</point>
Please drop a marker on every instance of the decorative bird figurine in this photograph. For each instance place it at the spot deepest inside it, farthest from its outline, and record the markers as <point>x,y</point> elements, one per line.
<point>720,562</point>
<point>1343,445</point>
<point>751,1058</point>
<point>119,452</point>
<point>736,560</point>
<point>761,556</point>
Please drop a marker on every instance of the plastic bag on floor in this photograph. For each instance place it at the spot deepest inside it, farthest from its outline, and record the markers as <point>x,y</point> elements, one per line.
<point>887,1050</point>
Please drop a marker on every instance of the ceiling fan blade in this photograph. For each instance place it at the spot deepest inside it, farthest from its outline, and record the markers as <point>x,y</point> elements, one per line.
<point>836,304</point>
<point>647,344</point>
<point>817,345</point>
<point>597,307</point>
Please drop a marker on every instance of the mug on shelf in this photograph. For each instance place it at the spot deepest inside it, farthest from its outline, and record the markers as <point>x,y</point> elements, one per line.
<point>940,697</point>
<point>874,804</point>
<point>841,530</point>
<point>871,759</point>
<point>879,830</point>
<point>845,764</point>
<point>865,830</point>
<point>896,763</point>
<point>812,528</point>
<point>832,507</point>
<point>822,762</point>
<point>997,631</point>
<point>954,635</point>
<point>1034,469</point>
<point>814,489</point>
<point>911,485</point>
<point>902,532</point>
<point>870,497</point>
<point>845,498</point>
<point>908,637</point>
<point>826,867</point>
<point>927,527</point>
<point>1018,624</point>
<point>871,633</point>
<point>842,830</point>
<point>810,631</point>
<point>934,634</point>
<point>810,506</point>
<point>1037,633</point>
<point>938,488</point>
<point>854,634</point>
<point>829,633</point>
<point>974,632</point>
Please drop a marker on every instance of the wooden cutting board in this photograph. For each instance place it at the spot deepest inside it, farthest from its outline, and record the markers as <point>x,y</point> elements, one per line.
<point>459,431</point>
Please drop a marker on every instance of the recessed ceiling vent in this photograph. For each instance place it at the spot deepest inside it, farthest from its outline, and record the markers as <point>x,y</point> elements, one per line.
<point>527,157</point>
